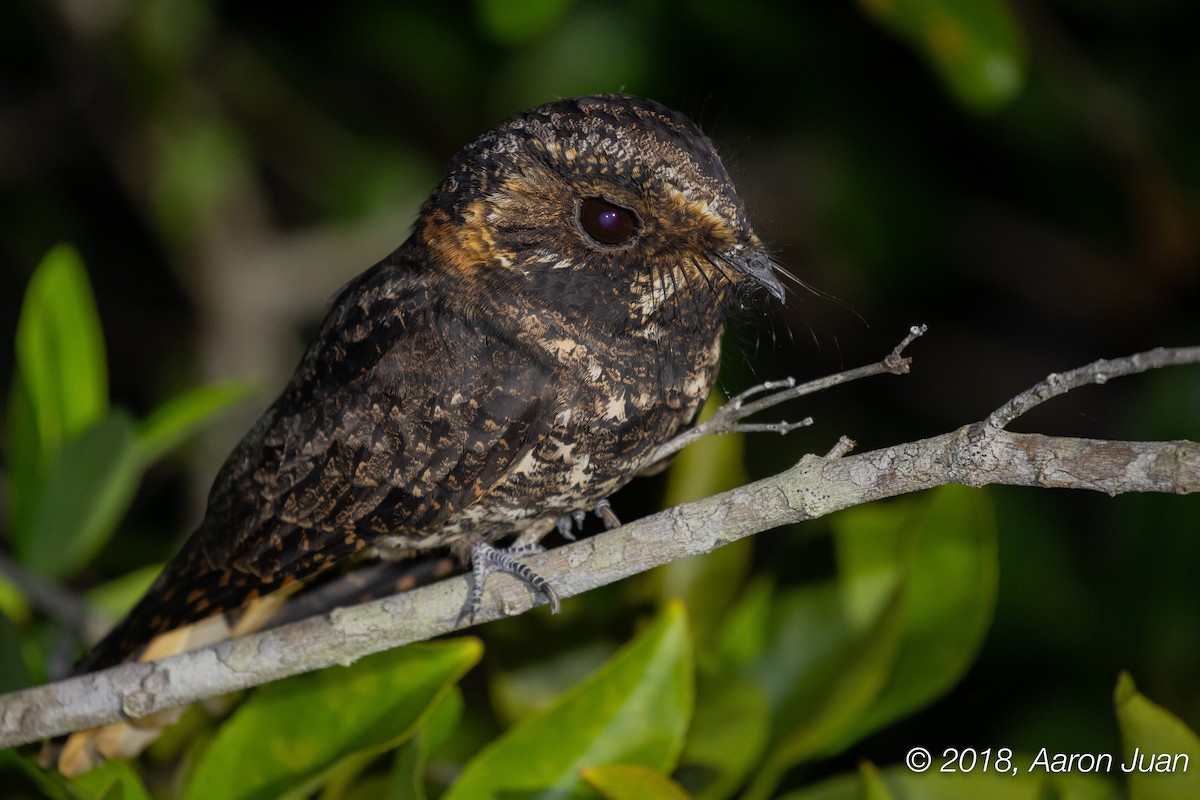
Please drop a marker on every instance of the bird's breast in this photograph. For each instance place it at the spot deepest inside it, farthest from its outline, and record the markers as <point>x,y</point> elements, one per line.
<point>617,401</point>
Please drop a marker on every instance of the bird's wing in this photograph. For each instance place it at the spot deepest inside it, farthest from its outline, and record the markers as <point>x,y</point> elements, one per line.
<point>401,413</point>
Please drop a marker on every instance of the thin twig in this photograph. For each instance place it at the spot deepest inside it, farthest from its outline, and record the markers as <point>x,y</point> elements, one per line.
<point>1098,372</point>
<point>728,418</point>
<point>844,445</point>
<point>57,603</point>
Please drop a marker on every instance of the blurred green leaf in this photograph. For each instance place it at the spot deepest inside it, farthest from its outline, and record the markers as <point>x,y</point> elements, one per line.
<point>1152,739</point>
<point>60,387</point>
<point>23,453</point>
<point>289,735</point>
<point>167,38</point>
<point>729,732</point>
<point>709,466</point>
<point>949,600</point>
<point>900,783</point>
<point>85,495</point>
<point>706,585</point>
<point>632,782</point>
<point>535,687</point>
<point>12,602</point>
<point>596,49</point>
<point>747,630</point>
<point>407,780</point>
<point>975,46</point>
<point>112,780</point>
<point>519,21</point>
<point>116,597</point>
<point>635,709</point>
<point>49,783</point>
<point>806,643</point>
<point>14,674</point>
<point>203,162</point>
<point>830,699</point>
<point>873,785</point>
<point>60,350</point>
<point>912,602</point>
<point>183,415</point>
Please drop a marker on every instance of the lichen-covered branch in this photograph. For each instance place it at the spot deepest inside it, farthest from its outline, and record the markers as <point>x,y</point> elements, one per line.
<point>975,455</point>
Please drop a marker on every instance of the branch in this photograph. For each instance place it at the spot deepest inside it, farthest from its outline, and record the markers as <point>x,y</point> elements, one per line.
<point>975,455</point>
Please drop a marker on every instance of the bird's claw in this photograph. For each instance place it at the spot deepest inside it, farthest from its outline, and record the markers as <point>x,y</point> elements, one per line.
<point>486,559</point>
<point>604,511</point>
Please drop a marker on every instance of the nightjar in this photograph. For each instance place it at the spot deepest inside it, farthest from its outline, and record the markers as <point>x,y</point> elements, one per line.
<point>554,317</point>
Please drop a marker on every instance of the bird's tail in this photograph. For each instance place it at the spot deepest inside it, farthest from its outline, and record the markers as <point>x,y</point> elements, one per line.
<point>188,606</point>
<point>187,591</point>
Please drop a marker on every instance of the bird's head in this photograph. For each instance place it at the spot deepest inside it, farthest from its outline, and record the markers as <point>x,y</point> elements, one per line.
<point>609,195</point>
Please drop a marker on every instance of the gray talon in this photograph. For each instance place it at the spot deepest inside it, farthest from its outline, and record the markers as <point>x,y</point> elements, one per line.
<point>565,527</point>
<point>604,511</point>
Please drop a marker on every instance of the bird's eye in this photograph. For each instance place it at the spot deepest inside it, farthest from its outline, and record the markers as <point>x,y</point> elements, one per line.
<point>606,224</point>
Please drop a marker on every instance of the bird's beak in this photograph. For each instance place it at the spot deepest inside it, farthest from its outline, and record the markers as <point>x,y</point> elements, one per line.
<point>758,266</point>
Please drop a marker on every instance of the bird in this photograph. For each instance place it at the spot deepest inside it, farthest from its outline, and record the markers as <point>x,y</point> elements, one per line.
<point>553,318</point>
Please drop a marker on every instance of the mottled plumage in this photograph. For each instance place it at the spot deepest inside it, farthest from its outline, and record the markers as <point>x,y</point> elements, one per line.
<point>554,317</point>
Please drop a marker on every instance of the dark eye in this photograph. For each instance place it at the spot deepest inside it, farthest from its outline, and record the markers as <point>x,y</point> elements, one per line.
<point>606,224</point>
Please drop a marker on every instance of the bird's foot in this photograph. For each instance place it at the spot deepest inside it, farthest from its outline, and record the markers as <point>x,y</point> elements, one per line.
<point>486,559</point>
<point>568,523</point>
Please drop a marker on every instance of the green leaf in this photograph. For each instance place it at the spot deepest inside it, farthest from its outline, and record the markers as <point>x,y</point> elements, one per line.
<point>112,780</point>
<point>12,601</point>
<point>976,47</point>
<point>632,782</point>
<point>519,21</point>
<point>950,596</point>
<point>412,758</point>
<point>517,693</point>
<point>290,735</point>
<point>49,783</point>
<point>873,785</point>
<point>204,161</point>
<point>633,710</point>
<point>183,415</point>
<point>85,495</point>
<point>709,466</point>
<point>14,674</point>
<point>825,709</point>
<point>60,388</point>
<point>805,644</point>
<point>60,349</point>
<point>913,600</point>
<point>1162,753</point>
<point>23,452</point>
<point>727,737</point>
<point>593,49</point>
<point>900,783</point>
<point>745,635</point>
<point>116,597</point>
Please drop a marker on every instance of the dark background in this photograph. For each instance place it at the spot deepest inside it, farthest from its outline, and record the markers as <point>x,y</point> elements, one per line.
<point>224,167</point>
